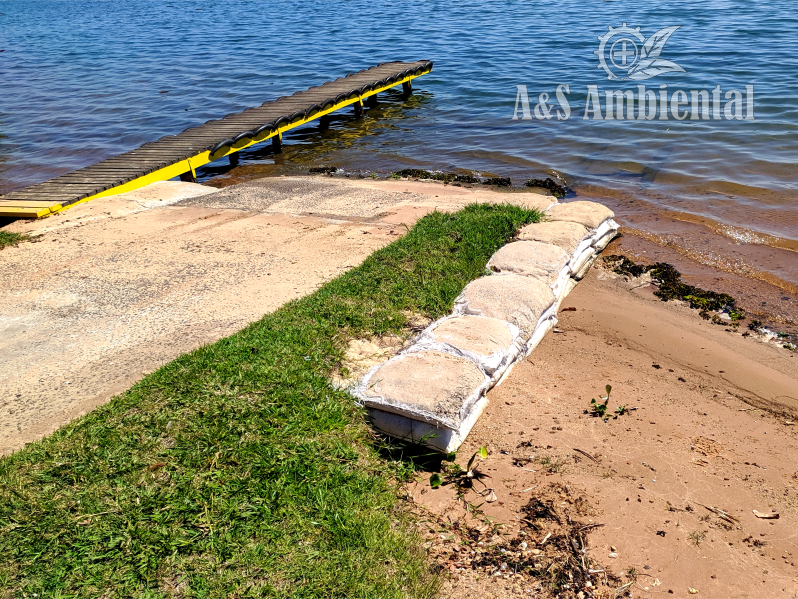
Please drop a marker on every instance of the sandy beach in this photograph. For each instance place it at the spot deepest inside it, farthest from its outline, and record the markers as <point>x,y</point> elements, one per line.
<point>693,439</point>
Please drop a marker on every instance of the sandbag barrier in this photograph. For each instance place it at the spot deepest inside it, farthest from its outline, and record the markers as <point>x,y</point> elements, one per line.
<point>180,155</point>
<point>434,390</point>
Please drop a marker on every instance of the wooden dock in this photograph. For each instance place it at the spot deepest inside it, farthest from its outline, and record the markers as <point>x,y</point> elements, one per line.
<point>180,155</point>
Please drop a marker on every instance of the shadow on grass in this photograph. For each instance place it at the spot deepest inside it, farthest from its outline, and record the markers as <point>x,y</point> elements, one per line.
<point>408,458</point>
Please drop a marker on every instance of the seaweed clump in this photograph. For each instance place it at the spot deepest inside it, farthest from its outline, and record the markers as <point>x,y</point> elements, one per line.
<point>671,287</point>
<point>324,170</point>
<point>498,181</point>
<point>415,173</point>
<point>559,191</point>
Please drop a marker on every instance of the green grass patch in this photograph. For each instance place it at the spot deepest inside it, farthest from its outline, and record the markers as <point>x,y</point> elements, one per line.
<point>237,470</point>
<point>7,238</point>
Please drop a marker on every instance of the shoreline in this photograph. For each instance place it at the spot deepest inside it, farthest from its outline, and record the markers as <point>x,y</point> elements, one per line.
<point>708,253</point>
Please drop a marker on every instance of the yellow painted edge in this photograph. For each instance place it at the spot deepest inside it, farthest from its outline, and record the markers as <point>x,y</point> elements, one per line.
<point>194,162</point>
<point>164,174</point>
<point>27,204</point>
<point>28,212</point>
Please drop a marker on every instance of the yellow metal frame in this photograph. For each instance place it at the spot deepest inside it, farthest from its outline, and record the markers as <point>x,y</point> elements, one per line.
<point>34,210</point>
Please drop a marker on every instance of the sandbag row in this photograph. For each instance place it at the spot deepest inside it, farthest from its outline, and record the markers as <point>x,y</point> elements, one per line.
<point>434,391</point>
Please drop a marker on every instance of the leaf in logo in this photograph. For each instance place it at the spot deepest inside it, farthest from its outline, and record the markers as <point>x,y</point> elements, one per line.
<point>653,46</point>
<point>651,67</point>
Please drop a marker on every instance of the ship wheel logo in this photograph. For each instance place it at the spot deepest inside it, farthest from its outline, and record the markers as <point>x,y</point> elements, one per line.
<point>624,53</point>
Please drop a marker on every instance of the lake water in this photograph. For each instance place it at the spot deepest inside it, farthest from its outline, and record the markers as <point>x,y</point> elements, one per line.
<point>85,80</point>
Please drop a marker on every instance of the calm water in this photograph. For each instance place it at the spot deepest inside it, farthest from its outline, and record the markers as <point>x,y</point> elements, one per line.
<point>84,80</point>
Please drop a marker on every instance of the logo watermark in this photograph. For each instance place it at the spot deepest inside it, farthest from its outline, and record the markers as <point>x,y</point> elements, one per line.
<point>620,46</point>
<point>625,54</point>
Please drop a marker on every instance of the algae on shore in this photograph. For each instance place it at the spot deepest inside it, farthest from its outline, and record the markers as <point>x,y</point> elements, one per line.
<point>671,287</point>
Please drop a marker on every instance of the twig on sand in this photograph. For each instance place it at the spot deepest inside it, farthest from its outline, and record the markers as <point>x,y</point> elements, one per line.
<point>588,527</point>
<point>586,454</point>
<point>621,589</point>
<point>721,513</point>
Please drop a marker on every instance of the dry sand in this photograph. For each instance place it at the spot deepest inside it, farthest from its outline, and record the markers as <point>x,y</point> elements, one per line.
<point>116,287</point>
<point>692,441</point>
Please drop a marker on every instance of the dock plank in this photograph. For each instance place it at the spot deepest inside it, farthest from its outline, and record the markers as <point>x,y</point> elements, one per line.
<point>175,155</point>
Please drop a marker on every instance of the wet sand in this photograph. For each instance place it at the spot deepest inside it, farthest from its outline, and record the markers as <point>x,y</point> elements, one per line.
<point>761,271</point>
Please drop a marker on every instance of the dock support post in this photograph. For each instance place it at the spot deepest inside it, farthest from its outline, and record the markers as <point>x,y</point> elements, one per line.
<point>371,102</point>
<point>407,89</point>
<point>277,143</point>
<point>358,109</point>
<point>233,158</point>
<point>324,122</point>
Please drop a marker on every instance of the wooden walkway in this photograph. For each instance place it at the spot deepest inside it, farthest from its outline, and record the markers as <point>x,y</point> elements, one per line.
<point>180,155</point>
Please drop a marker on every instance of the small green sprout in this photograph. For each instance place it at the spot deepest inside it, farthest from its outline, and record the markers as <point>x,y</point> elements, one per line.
<point>456,474</point>
<point>600,409</point>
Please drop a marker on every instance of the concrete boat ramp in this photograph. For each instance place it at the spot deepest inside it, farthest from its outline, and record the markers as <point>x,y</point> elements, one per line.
<point>123,285</point>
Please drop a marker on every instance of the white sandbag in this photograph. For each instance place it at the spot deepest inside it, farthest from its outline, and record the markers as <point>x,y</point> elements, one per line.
<point>435,390</point>
<point>429,386</point>
<point>488,342</point>
<point>585,267</point>
<point>544,261</point>
<point>589,214</point>
<point>602,238</point>
<point>604,228</point>
<point>569,287</point>
<point>587,251</point>
<point>578,266</point>
<point>563,234</point>
<point>547,322</point>
<point>411,430</point>
<point>513,298</point>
